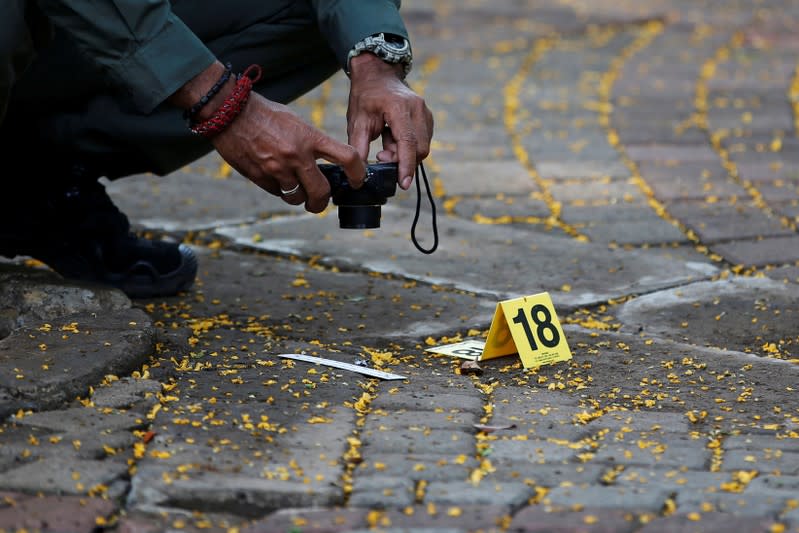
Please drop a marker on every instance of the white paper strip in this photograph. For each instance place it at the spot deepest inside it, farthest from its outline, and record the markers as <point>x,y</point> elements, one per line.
<point>344,366</point>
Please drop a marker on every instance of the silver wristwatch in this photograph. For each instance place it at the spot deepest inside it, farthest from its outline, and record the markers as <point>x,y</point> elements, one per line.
<point>388,47</point>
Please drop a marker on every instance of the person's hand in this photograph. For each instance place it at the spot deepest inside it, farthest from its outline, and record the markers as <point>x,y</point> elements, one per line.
<point>382,104</point>
<point>273,147</point>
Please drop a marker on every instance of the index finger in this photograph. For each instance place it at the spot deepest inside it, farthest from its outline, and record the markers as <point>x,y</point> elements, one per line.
<point>405,136</point>
<point>344,155</point>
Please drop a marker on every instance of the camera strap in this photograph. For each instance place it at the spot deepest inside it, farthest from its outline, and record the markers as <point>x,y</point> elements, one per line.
<point>419,208</point>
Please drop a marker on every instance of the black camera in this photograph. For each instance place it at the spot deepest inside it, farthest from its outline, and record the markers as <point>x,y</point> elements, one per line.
<point>360,208</point>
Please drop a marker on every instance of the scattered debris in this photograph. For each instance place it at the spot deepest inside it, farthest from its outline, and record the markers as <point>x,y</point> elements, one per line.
<point>471,367</point>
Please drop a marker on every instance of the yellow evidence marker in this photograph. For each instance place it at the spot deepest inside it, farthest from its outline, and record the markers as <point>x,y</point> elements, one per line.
<point>533,331</point>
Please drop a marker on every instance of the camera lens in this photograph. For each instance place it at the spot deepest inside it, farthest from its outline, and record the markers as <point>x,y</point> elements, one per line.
<point>359,216</point>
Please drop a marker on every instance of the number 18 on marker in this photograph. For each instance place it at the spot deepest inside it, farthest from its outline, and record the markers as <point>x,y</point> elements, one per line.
<point>530,327</point>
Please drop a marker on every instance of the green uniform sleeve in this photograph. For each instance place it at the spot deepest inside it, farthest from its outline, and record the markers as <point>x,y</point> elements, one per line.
<point>143,47</point>
<point>345,22</point>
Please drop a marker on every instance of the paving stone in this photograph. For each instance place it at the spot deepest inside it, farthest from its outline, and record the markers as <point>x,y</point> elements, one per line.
<point>429,467</point>
<point>311,520</point>
<point>718,222</point>
<point>772,484</point>
<point>701,522</point>
<point>791,518</point>
<point>62,475</point>
<point>679,187</point>
<point>535,451</point>
<point>789,212</point>
<point>419,420</point>
<point>418,442</point>
<point>663,452</point>
<point>512,494</point>
<point>641,130</point>
<point>416,530</point>
<point>612,212</point>
<point>779,195</point>
<point>244,471</point>
<point>767,120</point>
<point>45,368</point>
<point>470,144</point>
<point>83,419</point>
<point>53,513</point>
<point>598,191</point>
<point>547,475</point>
<point>125,392</point>
<point>637,499</point>
<point>382,492</point>
<point>682,252</point>
<point>156,522</point>
<point>784,274</point>
<point>641,423</point>
<point>673,479</point>
<point>460,516</point>
<point>535,519</point>
<point>665,152</point>
<point>655,88</point>
<point>764,171</point>
<point>635,232</point>
<point>537,414</point>
<point>689,180</point>
<point>523,209</point>
<point>486,177</point>
<point>586,144</point>
<point>447,403</point>
<point>765,460</point>
<point>32,443</point>
<point>766,505</point>
<point>559,170</point>
<point>758,442</point>
<point>243,495</point>
<point>767,251</point>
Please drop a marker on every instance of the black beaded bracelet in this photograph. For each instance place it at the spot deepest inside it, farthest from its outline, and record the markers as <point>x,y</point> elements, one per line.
<point>189,113</point>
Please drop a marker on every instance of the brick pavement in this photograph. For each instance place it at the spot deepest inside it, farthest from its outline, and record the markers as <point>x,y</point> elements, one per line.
<point>636,160</point>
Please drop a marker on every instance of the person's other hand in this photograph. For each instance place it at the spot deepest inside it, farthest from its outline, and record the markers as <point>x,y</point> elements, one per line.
<point>277,150</point>
<point>382,104</point>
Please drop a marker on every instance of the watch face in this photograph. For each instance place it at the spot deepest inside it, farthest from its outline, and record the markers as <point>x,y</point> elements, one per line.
<point>396,47</point>
<point>397,44</point>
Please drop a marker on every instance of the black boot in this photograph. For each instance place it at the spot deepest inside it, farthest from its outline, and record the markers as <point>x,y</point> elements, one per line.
<point>73,227</point>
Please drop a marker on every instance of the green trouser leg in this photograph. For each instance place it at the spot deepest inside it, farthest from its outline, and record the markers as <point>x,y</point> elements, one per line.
<point>78,117</point>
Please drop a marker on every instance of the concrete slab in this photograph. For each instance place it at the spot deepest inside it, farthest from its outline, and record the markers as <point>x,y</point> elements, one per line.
<point>297,299</point>
<point>58,361</point>
<point>542,263</point>
<point>23,512</point>
<point>739,313</point>
<point>62,475</point>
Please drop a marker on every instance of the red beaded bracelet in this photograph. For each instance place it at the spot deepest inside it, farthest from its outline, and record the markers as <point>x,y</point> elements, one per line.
<point>231,107</point>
